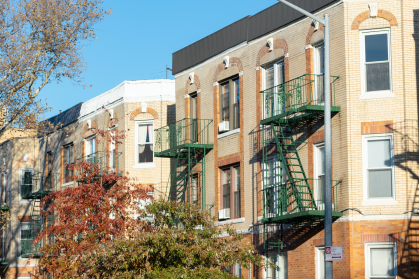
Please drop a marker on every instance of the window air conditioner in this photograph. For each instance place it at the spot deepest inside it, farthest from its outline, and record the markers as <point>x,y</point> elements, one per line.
<point>224,126</point>
<point>224,213</point>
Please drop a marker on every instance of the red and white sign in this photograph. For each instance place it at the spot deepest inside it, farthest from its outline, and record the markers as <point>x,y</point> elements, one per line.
<point>333,253</point>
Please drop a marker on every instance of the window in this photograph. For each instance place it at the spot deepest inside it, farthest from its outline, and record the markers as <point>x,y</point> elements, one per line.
<point>90,150</point>
<point>226,188</point>
<point>3,243</point>
<point>68,158</point>
<point>281,261</point>
<point>112,155</point>
<point>274,99</point>
<point>3,189</point>
<point>380,260</point>
<point>274,178</point>
<point>195,189</point>
<point>319,72</point>
<point>25,238</point>
<point>319,170</point>
<point>193,115</point>
<point>320,263</point>
<point>233,270</point>
<point>145,142</point>
<point>376,61</point>
<point>378,167</point>
<point>230,103</point>
<point>25,182</point>
<point>231,190</point>
<point>236,190</point>
<point>237,270</point>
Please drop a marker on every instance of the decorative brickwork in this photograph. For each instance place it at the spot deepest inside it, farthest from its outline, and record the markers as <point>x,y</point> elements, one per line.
<point>278,44</point>
<point>228,160</point>
<point>196,82</point>
<point>31,161</point>
<point>234,62</point>
<point>139,110</point>
<point>377,127</point>
<point>381,13</point>
<point>380,237</point>
<point>311,32</point>
<point>86,128</point>
<point>318,137</point>
<point>24,219</point>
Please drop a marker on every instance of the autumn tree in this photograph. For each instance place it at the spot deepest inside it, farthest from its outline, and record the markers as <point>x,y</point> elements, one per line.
<point>40,42</point>
<point>93,213</point>
<point>100,230</point>
<point>183,242</point>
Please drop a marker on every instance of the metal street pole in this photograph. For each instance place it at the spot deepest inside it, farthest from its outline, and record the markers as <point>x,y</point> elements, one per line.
<point>327,135</point>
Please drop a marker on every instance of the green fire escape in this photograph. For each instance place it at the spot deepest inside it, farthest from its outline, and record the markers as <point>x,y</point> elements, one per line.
<point>35,188</point>
<point>186,142</point>
<point>289,196</point>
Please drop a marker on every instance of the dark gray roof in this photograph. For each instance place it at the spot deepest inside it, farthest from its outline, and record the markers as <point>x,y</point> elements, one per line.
<point>66,117</point>
<point>245,29</point>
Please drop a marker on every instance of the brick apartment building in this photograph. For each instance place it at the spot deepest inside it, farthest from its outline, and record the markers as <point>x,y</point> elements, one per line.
<point>33,166</point>
<point>248,141</point>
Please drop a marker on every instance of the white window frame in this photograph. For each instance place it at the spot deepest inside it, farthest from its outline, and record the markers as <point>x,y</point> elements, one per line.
<point>317,148</point>
<point>316,71</point>
<point>365,139</point>
<point>143,165</point>
<point>383,93</point>
<point>112,148</point>
<point>65,160</point>
<point>276,160</point>
<point>277,260</point>
<point>275,68</point>
<point>21,170</point>
<point>318,262</point>
<point>87,142</point>
<point>368,246</point>
<point>20,238</point>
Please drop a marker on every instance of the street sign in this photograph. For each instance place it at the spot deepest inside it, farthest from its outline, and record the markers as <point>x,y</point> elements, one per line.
<point>333,253</point>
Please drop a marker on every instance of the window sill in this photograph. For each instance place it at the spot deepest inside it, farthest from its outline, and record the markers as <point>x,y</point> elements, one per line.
<point>144,166</point>
<point>374,96</point>
<point>67,184</point>
<point>232,221</point>
<point>379,202</point>
<point>226,134</point>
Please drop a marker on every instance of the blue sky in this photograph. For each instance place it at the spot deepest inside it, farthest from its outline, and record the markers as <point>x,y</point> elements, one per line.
<point>138,39</point>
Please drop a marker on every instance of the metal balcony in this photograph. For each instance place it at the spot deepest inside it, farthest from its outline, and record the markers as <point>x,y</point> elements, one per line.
<point>103,159</point>
<point>185,133</point>
<point>303,95</point>
<point>38,186</point>
<point>288,204</point>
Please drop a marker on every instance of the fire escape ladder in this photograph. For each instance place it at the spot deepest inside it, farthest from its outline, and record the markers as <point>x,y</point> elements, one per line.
<point>179,179</point>
<point>299,185</point>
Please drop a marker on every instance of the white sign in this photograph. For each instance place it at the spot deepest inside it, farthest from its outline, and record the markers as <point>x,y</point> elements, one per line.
<point>333,253</point>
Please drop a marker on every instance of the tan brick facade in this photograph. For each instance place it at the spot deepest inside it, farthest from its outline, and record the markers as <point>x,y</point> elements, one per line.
<point>127,108</point>
<point>395,114</point>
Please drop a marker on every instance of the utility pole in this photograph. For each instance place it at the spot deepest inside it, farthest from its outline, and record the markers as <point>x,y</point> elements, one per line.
<point>167,69</point>
<point>327,135</point>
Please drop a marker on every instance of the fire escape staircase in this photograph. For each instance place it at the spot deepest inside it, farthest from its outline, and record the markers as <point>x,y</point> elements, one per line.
<point>186,142</point>
<point>36,188</point>
<point>288,194</point>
